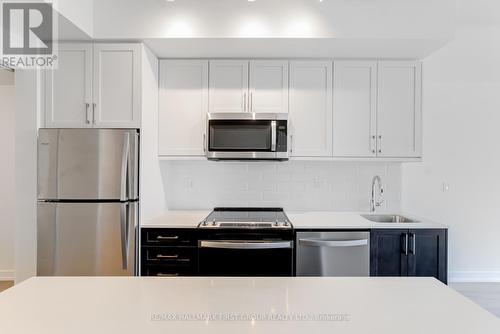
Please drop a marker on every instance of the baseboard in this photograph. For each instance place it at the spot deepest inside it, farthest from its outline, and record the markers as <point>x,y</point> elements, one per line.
<point>474,276</point>
<point>6,275</point>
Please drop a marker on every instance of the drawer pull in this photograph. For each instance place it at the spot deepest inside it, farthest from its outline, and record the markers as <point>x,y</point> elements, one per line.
<point>159,256</point>
<point>167,275</point>
<point>160,237</point>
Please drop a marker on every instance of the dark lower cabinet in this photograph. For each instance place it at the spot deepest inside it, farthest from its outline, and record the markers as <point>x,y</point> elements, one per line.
<point>387,257</point>
<point>169,252</point>
<point>419,252</point>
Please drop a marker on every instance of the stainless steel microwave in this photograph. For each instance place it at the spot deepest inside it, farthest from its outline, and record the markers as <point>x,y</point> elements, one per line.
<point>247,136</point>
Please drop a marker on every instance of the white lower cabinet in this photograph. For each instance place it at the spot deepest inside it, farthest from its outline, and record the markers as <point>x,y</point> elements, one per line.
<point>95,85</point>
<point>399,112</point>
<point>310,118</point>
<point>182,107</point>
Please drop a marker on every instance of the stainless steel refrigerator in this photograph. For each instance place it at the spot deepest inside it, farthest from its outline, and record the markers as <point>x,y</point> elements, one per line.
<point>88,197</point>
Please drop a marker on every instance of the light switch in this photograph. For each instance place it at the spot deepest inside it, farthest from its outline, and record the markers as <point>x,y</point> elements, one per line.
<point>446,187</point>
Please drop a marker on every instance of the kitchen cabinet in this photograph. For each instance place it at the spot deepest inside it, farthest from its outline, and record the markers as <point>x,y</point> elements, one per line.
<point>183,106</point>
<point>169,252</point>
<point>248,86</point>
<point>116,92</point>
<point>68,89</point>
<point>228,87</point>
<point>355,108</point>
<point>419,252</point>
<point>95,85</point>
<point>310,118</point>
<point>268,86</point>
<point>399,113</point>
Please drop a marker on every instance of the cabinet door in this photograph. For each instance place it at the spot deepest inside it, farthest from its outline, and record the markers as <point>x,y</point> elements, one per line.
<point>228,88</point>
<point>399,113</point>
<point>68,88</point>
<point>268,86</point>
<point>387,252</point>
<point>310,117</point>
<point>428,254</point>
<point>117,88</point>
<point>354,108</point>
<point>183,107</point>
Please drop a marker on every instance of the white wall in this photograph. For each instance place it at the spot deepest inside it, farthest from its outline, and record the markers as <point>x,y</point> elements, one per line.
<point>295,185</point>
<point>152,192</point>
<point>7,173</point>
<point>461,88</point>
<point>27,107</point>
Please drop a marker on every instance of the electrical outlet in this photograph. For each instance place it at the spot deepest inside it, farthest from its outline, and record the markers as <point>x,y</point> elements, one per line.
<point>446,187</point>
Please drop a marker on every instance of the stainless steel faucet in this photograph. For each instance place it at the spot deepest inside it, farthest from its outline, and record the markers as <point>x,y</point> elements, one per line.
<point>373,204</point>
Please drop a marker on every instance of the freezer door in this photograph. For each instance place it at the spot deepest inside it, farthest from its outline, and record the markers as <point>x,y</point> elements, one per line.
<point>86,239</point>
<point>87,164</point>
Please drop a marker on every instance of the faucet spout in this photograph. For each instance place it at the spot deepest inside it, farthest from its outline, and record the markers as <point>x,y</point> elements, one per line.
<point>376,181</point>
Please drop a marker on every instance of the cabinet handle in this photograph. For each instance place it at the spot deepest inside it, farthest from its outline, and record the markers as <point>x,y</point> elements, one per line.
<point>160,256</point>
<point>87,109</point>
<point>413,249</point>
<point>379,143</point>
<point>160,237</point>
<point>93,112</point>
<point>291,144</point>
<point>373,142</point>
<point>167,275</point>
<point>204,142</point>
<point>405,243</point>
<point>245,101</point>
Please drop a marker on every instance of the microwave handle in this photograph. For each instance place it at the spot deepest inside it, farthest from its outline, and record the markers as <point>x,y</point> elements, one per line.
<point>273,136</point>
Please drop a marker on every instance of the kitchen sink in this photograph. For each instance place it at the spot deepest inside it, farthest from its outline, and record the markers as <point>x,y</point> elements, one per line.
<point>389,219</point>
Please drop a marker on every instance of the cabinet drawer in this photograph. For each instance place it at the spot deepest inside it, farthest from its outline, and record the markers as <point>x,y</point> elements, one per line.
<point>173,256</point>
<point>162,271</point>
<point>170,237</point>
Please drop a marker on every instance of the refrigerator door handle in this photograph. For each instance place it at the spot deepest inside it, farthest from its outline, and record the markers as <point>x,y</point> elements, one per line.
<point>124,229</point>
<point>124,169</point>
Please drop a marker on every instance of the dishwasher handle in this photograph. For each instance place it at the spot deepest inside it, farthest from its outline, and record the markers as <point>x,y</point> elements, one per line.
<point>333,243</point>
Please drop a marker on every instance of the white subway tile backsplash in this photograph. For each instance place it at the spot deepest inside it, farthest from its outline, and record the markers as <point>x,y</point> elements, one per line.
<point>294,185</point>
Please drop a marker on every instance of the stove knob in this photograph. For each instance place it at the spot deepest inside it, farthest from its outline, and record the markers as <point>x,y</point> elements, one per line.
<point>204,223</point>
<point>276,223</point>
<point>214,223</point>
<point>285,223</point>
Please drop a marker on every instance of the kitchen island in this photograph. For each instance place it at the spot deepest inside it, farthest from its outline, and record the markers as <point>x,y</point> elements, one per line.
<point>131,305</point>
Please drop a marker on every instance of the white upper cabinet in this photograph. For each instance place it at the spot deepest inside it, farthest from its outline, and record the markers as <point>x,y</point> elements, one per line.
<point>117,85</point>
<point>268,86</point>
<point>310,108</point>
<point>228,88</point>
<point>95,85</point>
<point>183,106</point>
<point>399,114</point>
<point>68,89</point>
<point>354,108</point>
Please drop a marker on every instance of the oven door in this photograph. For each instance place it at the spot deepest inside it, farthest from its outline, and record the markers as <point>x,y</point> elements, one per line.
<point>245,257</point>
<point>244,137</point>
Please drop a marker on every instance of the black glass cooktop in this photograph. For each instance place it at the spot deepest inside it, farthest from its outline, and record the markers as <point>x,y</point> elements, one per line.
<point>247,218</point>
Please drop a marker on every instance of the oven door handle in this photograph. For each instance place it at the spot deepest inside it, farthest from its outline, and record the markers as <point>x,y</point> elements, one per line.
<point>333,243</point>
<point>242,244</point>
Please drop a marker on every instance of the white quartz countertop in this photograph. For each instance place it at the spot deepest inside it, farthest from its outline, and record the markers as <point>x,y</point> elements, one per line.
<point>300,220</point>
<point>177,219</point>
<point>352,220</point>
<point>132,305</point>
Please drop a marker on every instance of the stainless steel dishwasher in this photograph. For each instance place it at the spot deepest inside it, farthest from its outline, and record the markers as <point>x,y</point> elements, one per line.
<point>333,254</point>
